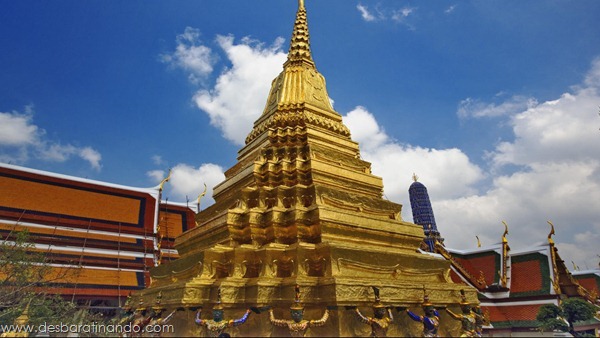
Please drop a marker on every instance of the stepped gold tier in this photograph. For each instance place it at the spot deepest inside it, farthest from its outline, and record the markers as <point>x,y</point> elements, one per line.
<point>300,207</point>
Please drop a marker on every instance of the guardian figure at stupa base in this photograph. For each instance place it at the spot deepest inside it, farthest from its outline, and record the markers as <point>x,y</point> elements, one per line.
<point>300,207</point>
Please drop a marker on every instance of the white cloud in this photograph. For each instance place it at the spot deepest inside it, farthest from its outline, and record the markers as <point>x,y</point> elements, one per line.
<point>364,128</point>
<point>240,92</point>
<point>364,13</point>
<point>403,13</point>
<point>592,79</point>
<point>450,9</point>
<point>448,172</point>
<point>188,182</point>
<point>555,149</point>
<point>92,156</point>
<point>17,130</point>
<point>379,14</point>
<point>556,146</point>
<point>565,129</point>
<point>20,140</point>
<point>157,159</point>
<point>473,108</point>
<point>191,55</point>
<point>156,175</point>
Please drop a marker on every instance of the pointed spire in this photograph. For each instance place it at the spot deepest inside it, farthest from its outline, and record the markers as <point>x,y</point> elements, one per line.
<point>300,42</point>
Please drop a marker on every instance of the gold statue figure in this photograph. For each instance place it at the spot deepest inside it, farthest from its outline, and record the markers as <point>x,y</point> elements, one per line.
<point>216,327</point>
<point>467,317</point>
<point>431,319</point>
<point>480,320</point>
<point>156,319</point>
<point>379,322</point>
<point>298,325</point>
<point>140,321</point>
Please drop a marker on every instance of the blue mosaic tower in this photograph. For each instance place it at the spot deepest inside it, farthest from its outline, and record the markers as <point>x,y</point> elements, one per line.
<point>423,213</point>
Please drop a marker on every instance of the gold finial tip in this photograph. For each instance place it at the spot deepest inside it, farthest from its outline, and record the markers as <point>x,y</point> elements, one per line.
<point>165,180</point>
<point>505,228</point>
<point>300,4</point>
<point>551,233</point>
<point>415,177</point>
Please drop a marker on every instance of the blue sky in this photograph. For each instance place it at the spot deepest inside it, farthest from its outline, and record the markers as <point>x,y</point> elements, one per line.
<point>494,104</point>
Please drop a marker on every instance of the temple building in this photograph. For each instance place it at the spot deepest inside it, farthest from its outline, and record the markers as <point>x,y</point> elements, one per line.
<point>301,221</point>
<point>512,285</point>
<point>100,238</point>
<point>422,213</point>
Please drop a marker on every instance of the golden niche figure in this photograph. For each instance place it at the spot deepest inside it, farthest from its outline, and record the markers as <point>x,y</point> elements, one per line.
<point>467,317</point>
<point>216,327</point>
<point>156,317</point>
<point>298,325</point>
<point>431,319</point>
<point>380,322</point>
<point>139,320</point>
<point>128,314</point>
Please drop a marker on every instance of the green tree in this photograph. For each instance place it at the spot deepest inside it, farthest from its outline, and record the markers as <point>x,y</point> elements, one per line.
<point>563,317</point>
<point>577,310</point>
<point>550,317</point>
<point>26,278</point>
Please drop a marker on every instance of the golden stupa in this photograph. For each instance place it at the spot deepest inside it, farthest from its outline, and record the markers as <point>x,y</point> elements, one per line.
<point>301,207</point>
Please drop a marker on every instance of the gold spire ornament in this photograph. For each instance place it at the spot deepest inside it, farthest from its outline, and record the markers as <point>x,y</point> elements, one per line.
<point>300,42</point>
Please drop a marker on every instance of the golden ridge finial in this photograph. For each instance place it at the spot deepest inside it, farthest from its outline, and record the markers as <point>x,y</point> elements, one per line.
<point>505,249</point>
<point>478,241</point>
<point>200,196</point>
<point>550,240</point>
<point>415,177</point>
<point>300,4</point>
<point>165,180</point>
<point>504,240</point>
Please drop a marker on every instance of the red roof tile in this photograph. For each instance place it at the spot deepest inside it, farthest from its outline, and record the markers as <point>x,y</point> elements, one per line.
<point>500,314</point>
<point>526,276</point>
